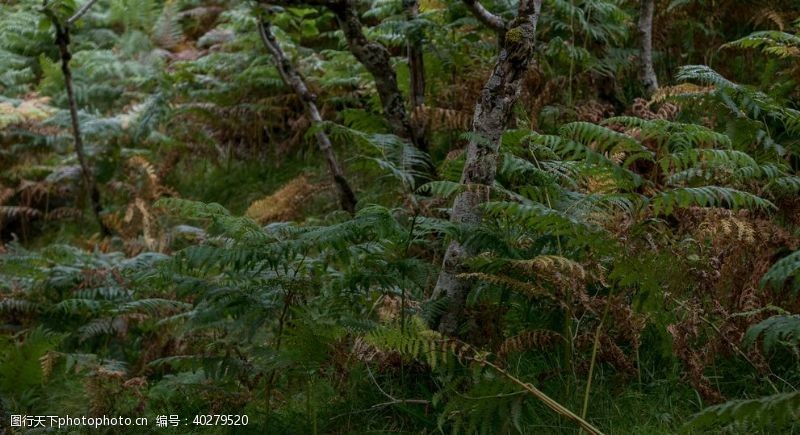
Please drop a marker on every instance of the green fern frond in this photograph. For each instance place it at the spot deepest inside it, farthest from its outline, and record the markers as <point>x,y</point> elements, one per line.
<point>769,413</point>
<point>784,329</point>
<point>708,196</point>
<point>787,268</point>
<point>780,44</point>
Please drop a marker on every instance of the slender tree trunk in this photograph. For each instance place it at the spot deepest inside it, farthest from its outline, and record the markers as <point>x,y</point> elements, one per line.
<point>416,63</point>
<point>492,113</point>
<point>416,67</point>
<point>347,199</point>
<point>62,41</point>
<point>645,28</point>
<point>377,60</point>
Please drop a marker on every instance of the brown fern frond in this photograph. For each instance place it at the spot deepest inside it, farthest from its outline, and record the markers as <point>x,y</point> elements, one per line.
<point>526,288</point>
<point>766,15</point>
<point>537,339</point>
<point>6,193</point>
<point>64,213</point>
<point>442,118</point>
<point>283,204</point>
<point>680,90</point>
<point>17,211</point>
<point>593,111</point>
<point>549,264</point>
<point>47,362</point>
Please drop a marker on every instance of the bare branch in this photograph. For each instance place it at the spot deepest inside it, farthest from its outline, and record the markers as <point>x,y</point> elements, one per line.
<point>375,57</point>
<point>483,15</point>
<point>293,79</point>
<point>83,10</point>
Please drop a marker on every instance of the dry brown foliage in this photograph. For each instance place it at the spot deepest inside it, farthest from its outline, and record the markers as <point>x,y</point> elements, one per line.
<point>285,203</point>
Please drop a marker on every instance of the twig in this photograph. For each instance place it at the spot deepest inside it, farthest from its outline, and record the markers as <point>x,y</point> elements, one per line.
<point>392,399</point>
<point>80,12</point>
<point>62,42</point>
<point>292,78</point>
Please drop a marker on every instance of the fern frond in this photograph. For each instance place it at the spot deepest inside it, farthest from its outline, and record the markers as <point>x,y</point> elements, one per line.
<point>784,329</point>
<point>770,412</point>
<point>708,196</point>
<point>783,270</point>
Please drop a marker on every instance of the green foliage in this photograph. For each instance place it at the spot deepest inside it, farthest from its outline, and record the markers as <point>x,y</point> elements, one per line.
<point>785,269</point>
<point>775,330</point>
<point>776,412</point>
<point>616,257</point>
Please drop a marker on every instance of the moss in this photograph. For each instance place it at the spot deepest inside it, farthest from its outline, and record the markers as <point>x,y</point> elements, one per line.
<point>515,34</point>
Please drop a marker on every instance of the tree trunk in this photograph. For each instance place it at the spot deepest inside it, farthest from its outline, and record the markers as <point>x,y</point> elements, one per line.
<point>377,60</point>
<point>416,67</point>
<point>62,41</point>
<point>347,199</point>
<point>645,28</point>
<point>492,113</point>
<point>416,64</point>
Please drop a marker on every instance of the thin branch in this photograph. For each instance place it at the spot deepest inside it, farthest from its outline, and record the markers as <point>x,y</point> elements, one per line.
<point>392,399</point>
<point>62,42</point>
<point>377,60</point>
<point>292,78</point>
<point>81,12</point>
<point>494,22</point>
<point>399,401</point>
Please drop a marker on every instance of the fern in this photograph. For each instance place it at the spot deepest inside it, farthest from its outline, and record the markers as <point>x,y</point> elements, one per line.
<point>780,44</point>
<point>708,196</point>
<point>785,269</point>
<point>775,330</point>
<point>771,413</point>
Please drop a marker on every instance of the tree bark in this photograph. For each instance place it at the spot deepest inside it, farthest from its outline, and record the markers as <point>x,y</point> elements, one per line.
<point>645,29</point>
<point>416,63</point>
<point>416,67</point>
<point>490,20</point>
<point>492,113</point>
<point>377,60</point>
<point>62,41</point>
<point>290,76</point>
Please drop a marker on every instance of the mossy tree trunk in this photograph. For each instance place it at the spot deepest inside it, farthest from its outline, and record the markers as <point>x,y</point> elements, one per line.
<point>645,28</point>
<point>492,113</point>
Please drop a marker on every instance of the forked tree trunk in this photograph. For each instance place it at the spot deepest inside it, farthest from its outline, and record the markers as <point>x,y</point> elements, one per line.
<point>376,59</point>
<point>347,199</point>
<point>62,41</point>
<point>645,28</point>
<point>492,113</point>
